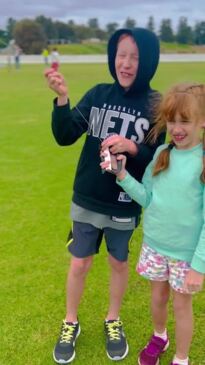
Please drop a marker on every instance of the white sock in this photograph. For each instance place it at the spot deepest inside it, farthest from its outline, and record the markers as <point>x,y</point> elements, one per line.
<point>176,360</point>
<point>162,335</point>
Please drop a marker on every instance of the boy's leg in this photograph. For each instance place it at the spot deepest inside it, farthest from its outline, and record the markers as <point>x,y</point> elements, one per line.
<point>118,285</point>
<point>117,244</point>
<point>183,312</point>
<point>83,243</point>
<point>64,351</point>
<point>79,268</point>
<point>116,344</point>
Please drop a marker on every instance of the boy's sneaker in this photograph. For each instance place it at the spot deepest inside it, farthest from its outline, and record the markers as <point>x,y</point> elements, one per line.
<point>151,353</point>
<point>64,351</point>
<point>116,344</point>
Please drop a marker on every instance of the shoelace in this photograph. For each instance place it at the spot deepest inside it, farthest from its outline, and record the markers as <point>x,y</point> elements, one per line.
<point>67,332</point>
<point>114,330</point>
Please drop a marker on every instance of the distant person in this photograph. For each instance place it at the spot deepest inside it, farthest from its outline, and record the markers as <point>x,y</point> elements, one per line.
<point>45,55</point>
<point>99,206</point>
<point>55,59</point>
<point>17,54</point>
<point>9,59</point>
<point>173,195</point>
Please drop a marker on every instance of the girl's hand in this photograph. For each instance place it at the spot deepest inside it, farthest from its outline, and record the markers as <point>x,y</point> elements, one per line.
<point>57,83</point>
<point>119,144</point>
<point>109,163</point>
<point>193,281</point>
<point>122,173</point>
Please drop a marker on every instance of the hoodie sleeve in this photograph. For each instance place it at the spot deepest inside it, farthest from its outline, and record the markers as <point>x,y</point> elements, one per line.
<point>69,124</point>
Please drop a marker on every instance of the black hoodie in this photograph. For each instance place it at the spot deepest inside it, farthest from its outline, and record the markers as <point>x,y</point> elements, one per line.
<point>105,109</point>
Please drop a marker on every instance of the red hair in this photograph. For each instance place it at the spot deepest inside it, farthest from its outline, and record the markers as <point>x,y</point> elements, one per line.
<point>187,101</point>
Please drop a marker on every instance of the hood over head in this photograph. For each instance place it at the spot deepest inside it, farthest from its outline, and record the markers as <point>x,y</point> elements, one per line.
<point>148,47</point>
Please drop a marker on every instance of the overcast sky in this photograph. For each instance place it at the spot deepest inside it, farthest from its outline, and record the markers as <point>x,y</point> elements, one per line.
<point>107,11</point>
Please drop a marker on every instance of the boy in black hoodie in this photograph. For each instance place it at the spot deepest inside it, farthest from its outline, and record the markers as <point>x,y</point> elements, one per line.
<point>99,206</point>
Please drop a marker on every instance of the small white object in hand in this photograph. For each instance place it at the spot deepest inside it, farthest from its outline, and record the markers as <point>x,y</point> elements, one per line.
<point>107,157</point>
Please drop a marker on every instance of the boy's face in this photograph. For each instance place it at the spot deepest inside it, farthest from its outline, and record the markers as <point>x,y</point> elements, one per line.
<point>126,61</point>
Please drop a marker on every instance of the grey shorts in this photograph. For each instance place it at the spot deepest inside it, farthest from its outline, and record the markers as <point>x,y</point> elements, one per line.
<point>84,240</point>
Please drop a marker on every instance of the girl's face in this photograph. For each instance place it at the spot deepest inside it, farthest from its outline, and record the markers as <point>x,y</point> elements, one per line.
<point>126,61</point>
<point>184,133</point>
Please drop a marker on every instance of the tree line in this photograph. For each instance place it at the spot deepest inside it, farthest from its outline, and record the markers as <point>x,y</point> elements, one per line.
<point>32,35</point>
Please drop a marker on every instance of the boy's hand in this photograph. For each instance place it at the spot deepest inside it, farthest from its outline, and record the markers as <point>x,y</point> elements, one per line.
<point>57,83</point>
<point>119,144</point>
<point>193,281</point>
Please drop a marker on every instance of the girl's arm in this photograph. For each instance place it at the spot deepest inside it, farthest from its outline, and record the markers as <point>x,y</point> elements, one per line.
<point>195,277</point>
<point>140,192</point>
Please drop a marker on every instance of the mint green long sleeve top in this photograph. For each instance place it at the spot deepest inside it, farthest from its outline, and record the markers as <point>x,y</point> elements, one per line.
<point>174,206</point>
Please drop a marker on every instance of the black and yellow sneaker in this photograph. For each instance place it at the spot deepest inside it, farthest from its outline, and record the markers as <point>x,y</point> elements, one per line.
<point>116,344</point>
<point>64,351</point>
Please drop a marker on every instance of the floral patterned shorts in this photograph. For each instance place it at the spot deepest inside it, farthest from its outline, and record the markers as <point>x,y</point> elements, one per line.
<point>157,267</point>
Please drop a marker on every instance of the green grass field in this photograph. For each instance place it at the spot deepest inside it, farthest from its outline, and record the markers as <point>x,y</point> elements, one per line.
<point>36,187</point>
<point>101,48</point>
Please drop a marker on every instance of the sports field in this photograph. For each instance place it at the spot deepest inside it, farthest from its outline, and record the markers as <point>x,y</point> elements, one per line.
<point>36,186</point>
